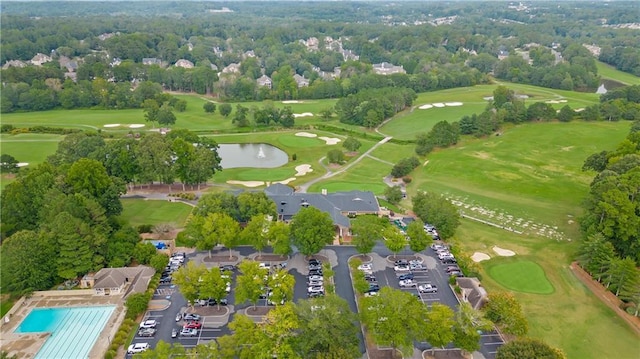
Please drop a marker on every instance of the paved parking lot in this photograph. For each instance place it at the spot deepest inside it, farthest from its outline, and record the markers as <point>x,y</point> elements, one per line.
<point>216,326</point>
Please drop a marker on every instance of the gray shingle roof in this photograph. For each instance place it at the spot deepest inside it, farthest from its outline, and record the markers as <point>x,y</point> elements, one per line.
<point>139,277</point>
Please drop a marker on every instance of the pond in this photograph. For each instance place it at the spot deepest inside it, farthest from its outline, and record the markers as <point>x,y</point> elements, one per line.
<point>256,155</point>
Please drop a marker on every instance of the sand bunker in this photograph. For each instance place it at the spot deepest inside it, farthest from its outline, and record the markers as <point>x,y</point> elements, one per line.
<point>453,103</point>
<point>291,179</point>
<point>22,164</point>
<point>503,252</point>
<point>306,134</point>
<point>136,125</point>
<point>247,183</point>
<point>488,98</point>
<point>303,169</point>
<point>304,114</point>
<point>579,109</point>
<point>111,125</point>
<point>292,101</point>
<point>438,104</point>
<point>479,257</point>
<point>330,140</point>
<point>425,107</point>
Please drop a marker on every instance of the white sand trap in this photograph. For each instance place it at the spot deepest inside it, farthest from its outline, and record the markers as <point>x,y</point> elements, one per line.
<point>111,125</point>
<point>136,125</point>
<point>453,104</point>
<point>22,164</point>
<point>291,179</point>
<point>425,107</point>
<point>303,170</point>
<point>330,140</point>
<point>503,252</point>
<point>552,101</point>
<point>292,101</point>
<point>479,257</point>
<point>247,183</point>
<point>438,104</point>
<point>488,98</point>
<point>304,114</point>
<point>306,134</point>
<point>579,109</point>
<point>562,101</point>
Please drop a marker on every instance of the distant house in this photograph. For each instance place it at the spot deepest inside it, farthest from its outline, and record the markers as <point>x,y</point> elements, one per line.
<point>301,80</point>
<point>339,205</point>
<point>232,68</point>
<point>349,55</point>
<point>249,53</point>
<point>115,62</point>
<point>70,65</point>
<point>185,64</point>
<point>40,59</point>
<point>472,292</point>
<point>151,61</point>
<point>120,281</point>
<point>13,63</point>
<point>264,81</point>
<point>386,68</point>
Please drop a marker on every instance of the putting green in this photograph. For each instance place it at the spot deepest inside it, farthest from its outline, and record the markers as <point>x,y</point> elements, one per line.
<point>521,276</point>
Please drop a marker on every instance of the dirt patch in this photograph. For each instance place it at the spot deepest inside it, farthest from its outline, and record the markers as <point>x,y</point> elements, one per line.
<point>220,258</point>
<point>268,257</point>
<point>258,310</point>
<point>605,296</point>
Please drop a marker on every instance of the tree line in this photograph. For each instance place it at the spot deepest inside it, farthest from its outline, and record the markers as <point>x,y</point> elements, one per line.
<point>610,251</point>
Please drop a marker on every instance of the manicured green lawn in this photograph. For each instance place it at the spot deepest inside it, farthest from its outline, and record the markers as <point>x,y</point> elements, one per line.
<point>570,318</point>
<point>30,148</point>
<point>609,72</point>
<point>6,305</point>
<point>519,275</point>
<point>140,211</point>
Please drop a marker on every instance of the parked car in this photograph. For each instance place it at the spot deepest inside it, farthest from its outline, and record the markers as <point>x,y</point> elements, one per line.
<point>407,283</point>
<point>315,267</point>
<point>449,261</point>
<point>192,325</point>
<point>212,302</point>
<point>265,265</point>
<point>401,268</point>
<point>401,262</point>
<point>456,274</point>
<point>427,288</point>
<point>415,261</point>
<point>137,348</point>
<point>146,332</point>
<point>435,247</point>
<point>452,269</point>
<point>227,267</point>
<point>315,272</point>
<point>315,283</point>
<point>365,267</point>
<point>186,332</point>
<point>316,294</point>
<point>189,316</point>
<point>151,323</point>
<point>371,279</point>
<point>370,294</point>
<point>165,280</point>
<point>405,276</point>
<point>314,261</point>
<point>373,287</point>
<point>178,317</point>
<point>417,266</point>
<point>314,277</point>
<point>174,333</point>
<point>316,289</point>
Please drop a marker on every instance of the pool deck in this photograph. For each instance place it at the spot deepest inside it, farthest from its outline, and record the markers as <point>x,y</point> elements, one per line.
<point>27,345</point>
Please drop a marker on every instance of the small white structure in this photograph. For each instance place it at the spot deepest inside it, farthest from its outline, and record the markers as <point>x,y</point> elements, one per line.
<point>601,90</point>
<point>386,68</point>
<point>185,64</point>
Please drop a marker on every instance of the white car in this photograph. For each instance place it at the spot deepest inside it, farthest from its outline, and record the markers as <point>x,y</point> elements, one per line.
<point>313,283</point>
<point>401,268</point>
<point>416,266</point>
<point>314,277</point>
<point>189,332</point>
<point>437,247</point>
<point>316,289</point>
<point>365,267</point>
<point>370,294</point>
<point>427,288</point>
<point>149,324</point>
<point>407,283</point>
<point>137,348</point>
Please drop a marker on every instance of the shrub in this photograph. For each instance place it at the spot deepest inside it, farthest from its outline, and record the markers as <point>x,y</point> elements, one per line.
<point>407,179</point>
<point>137,304</point>
<point>452,280</point>
<point>294,157</point>
<point>145,228</point>
<point>110,354</point>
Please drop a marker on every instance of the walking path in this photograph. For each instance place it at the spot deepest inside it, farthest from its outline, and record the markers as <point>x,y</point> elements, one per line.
<point>304,187</point>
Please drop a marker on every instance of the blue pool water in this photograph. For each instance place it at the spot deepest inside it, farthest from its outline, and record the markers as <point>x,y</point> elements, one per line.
<point>73,330</point>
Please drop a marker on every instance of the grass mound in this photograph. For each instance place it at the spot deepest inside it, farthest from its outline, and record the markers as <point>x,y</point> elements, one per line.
<point>521,276</point>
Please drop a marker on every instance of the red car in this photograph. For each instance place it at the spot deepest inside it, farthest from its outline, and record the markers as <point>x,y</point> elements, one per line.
<point>192,325</point>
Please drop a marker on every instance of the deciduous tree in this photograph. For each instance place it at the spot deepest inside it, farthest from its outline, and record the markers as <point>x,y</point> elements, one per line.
<point>250,282</point>
<point>418,239</point>
<point>527,348</point>
<point>394,240</point>
<point>367,230</point>
<point>311,230</point>
<point>189,279</point>
<point>438,211</point>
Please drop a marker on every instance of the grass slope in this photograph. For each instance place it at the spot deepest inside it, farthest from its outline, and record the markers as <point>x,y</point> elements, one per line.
<point>570,318</point>
<point>610,72</point>
<point>140,211</point>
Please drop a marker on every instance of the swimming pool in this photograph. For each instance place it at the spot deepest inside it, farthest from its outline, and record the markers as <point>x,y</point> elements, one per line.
<point>73,330</point>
